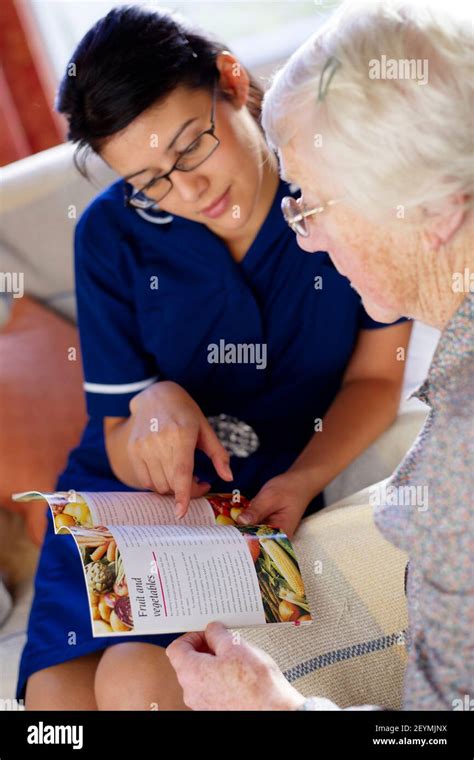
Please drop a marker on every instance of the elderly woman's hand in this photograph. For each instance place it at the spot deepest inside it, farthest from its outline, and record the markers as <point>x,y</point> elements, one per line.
<point>219,672</point>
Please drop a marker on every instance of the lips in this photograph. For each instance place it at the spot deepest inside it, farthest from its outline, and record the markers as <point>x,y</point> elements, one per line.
<point>217,207</point>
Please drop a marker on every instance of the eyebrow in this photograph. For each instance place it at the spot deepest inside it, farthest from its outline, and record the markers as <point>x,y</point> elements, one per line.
<point>170,145</point>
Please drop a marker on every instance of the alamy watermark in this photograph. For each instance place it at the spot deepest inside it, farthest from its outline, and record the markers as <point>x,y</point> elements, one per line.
<point>12,282</point>
<point>237,353</point>
<point>382,494</point>
<point>43,733</point>
<point>463,282</point>
<point>464,704</point>
<point>399,68</point>
<point>12,704</point>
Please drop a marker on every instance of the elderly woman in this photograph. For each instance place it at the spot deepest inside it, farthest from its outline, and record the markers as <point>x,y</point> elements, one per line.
<point>372,118</point>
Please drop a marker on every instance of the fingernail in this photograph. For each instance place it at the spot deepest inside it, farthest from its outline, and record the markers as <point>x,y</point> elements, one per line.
<point>229,472</point>
<point>179,510</point>
<point>244,518</point>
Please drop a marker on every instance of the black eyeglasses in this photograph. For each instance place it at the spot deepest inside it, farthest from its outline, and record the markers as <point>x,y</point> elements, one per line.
<point>201,148</point>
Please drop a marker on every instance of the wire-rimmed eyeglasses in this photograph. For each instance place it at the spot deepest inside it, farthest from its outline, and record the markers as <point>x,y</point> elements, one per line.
<point>296,213</point>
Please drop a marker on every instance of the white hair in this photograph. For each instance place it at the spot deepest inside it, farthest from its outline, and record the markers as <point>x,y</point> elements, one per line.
<point>387,142</point>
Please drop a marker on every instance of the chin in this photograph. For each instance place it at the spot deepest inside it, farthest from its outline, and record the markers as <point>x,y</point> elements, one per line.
<point>380,313</point>
<point>306,244</point>
<point>227,221</point>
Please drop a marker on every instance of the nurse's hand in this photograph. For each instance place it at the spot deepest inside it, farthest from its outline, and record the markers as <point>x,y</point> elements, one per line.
<point>281,503</point>
<point>166,427</point>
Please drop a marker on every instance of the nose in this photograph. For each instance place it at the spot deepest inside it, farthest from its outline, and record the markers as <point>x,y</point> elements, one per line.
<point>190,186</point>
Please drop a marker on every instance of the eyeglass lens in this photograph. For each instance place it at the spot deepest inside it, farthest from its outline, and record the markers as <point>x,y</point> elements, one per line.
<point>194,156</point>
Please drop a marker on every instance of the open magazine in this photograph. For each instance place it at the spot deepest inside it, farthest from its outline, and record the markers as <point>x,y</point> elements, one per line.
<point>148,572</point>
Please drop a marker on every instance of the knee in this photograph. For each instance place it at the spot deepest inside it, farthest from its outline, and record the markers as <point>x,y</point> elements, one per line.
<point>133,677</point>
<point>116,686</point>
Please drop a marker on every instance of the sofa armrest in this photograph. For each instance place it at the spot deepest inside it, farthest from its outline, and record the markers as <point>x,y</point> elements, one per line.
<point>42,410</point>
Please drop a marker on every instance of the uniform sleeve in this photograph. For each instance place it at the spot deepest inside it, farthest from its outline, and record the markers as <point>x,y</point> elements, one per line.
<point>116,366</point>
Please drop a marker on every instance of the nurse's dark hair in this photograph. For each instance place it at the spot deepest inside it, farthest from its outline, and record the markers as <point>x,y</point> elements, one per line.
<point>130,59</point>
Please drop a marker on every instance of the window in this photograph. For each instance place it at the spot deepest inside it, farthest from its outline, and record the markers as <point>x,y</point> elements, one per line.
<point>260,33</point>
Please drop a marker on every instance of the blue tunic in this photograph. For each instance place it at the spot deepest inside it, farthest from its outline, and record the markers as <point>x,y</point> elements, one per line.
<point>156,301</point>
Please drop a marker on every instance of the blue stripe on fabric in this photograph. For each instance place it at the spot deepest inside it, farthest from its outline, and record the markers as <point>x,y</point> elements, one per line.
<point>340,655</point>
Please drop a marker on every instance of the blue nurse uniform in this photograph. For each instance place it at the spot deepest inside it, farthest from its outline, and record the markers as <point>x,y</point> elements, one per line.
<point>152,301</point>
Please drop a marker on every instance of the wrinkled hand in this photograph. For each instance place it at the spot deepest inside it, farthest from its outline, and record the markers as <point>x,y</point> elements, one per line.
<point>162,453</point>
<point>280,503</point>
<point>219,672</point>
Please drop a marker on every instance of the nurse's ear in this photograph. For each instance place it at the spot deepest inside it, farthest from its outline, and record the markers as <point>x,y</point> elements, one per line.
<point>233,77</point>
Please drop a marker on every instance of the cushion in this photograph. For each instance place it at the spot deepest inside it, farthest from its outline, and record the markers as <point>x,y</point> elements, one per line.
<point>5,602</point>
<point>41,198</point>
<point>42,408</point>
<point>382,457</point>
<point>354,652</point>
<point>13,639</point>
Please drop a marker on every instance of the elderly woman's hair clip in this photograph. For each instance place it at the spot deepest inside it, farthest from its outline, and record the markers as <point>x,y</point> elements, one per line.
<point>329,69</point>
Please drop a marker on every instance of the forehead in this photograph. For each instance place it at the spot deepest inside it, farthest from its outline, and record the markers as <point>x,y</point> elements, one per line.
<point>293,167</point>
<point>305,165</point>
<point>143,143</point>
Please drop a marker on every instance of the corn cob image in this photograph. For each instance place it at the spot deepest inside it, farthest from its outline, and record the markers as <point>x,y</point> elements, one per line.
<point>284,563</point>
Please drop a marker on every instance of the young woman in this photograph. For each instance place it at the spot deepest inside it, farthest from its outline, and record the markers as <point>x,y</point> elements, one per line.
<point>197,312</point>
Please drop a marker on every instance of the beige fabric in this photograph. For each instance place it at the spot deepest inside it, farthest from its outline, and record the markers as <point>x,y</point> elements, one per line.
<point>41,198</point>
<point>381,458</point>
<point>354,652</point>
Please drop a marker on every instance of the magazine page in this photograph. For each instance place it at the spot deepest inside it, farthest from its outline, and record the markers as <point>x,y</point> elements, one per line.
<point>88,509</point>
<point>148,579</point>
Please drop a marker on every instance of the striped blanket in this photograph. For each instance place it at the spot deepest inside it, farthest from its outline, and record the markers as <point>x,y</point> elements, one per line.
<point>355,650</point>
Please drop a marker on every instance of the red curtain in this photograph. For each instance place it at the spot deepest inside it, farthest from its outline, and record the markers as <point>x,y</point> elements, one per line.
<point>27,87</point>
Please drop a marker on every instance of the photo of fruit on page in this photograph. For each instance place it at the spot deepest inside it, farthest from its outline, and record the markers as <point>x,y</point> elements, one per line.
<point>148,572</point>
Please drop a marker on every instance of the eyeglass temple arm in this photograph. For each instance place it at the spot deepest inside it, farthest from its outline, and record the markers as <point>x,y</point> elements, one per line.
<point>309,212</point>
<point>318,210</point>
